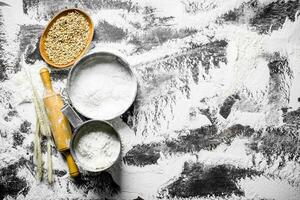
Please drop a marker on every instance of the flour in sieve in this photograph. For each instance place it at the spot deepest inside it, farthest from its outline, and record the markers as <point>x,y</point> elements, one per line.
<point>97,150</point>
<point>102,90</point>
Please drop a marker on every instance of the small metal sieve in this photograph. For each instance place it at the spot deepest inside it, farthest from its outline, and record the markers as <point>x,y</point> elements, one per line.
<point>82,128</point>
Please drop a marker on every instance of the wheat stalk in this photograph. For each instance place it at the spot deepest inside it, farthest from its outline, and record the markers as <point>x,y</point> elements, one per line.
<point>38,152</point>
<point>44,124</point>
<point>49,162</point>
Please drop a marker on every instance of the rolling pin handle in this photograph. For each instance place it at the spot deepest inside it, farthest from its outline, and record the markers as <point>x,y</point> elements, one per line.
<point>45,75</point>
<point>73,169</point>
<point>72,116</point>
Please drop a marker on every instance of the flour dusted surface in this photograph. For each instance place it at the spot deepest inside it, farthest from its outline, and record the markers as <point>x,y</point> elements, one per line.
<point>97,150</point>
<point>162,106</point>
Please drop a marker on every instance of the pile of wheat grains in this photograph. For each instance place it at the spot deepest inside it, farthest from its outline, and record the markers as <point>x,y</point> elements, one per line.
<point>67,38</point>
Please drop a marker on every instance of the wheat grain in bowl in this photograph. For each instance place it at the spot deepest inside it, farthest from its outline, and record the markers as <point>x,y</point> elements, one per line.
<point>66,38</point>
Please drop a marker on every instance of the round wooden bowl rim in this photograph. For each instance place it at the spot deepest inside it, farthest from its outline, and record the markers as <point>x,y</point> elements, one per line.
<point>88,42</point>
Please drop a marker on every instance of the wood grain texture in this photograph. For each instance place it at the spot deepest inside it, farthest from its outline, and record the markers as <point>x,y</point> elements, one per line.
<point>42,46</point>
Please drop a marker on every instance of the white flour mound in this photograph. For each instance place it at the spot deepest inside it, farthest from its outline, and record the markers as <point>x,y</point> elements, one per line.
<point>102,90</point>
<point>97,150</point>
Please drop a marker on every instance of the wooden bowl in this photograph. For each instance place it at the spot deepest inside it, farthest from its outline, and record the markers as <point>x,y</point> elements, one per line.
<point>42,46</point>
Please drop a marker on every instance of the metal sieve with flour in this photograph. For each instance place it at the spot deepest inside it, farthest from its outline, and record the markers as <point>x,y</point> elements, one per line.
<point>101,86</point>
<point>95,145</point>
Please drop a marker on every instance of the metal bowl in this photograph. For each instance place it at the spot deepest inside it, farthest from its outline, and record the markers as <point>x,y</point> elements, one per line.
<point>102,57</point>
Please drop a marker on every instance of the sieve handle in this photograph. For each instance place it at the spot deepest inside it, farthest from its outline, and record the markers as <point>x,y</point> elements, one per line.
<point>72,116</point>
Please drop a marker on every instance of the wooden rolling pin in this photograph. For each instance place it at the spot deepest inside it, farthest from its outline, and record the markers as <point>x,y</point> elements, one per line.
<point>61,130</point>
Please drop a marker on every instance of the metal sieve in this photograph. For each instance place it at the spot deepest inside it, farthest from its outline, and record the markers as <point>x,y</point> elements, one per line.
<point>82,128</point>
<point>94,58</point>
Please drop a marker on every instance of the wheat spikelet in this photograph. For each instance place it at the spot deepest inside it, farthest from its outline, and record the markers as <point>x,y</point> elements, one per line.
<point>44,125</point>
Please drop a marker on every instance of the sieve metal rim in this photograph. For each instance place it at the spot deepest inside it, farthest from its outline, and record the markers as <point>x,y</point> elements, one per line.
<point>121,60</point>
<point>76,134</point>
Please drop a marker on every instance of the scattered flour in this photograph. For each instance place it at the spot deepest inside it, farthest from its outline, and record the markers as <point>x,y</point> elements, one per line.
<point>102,90</point>
<point>243,50</point>
<point>266,188</point>
<point>97,150</point>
